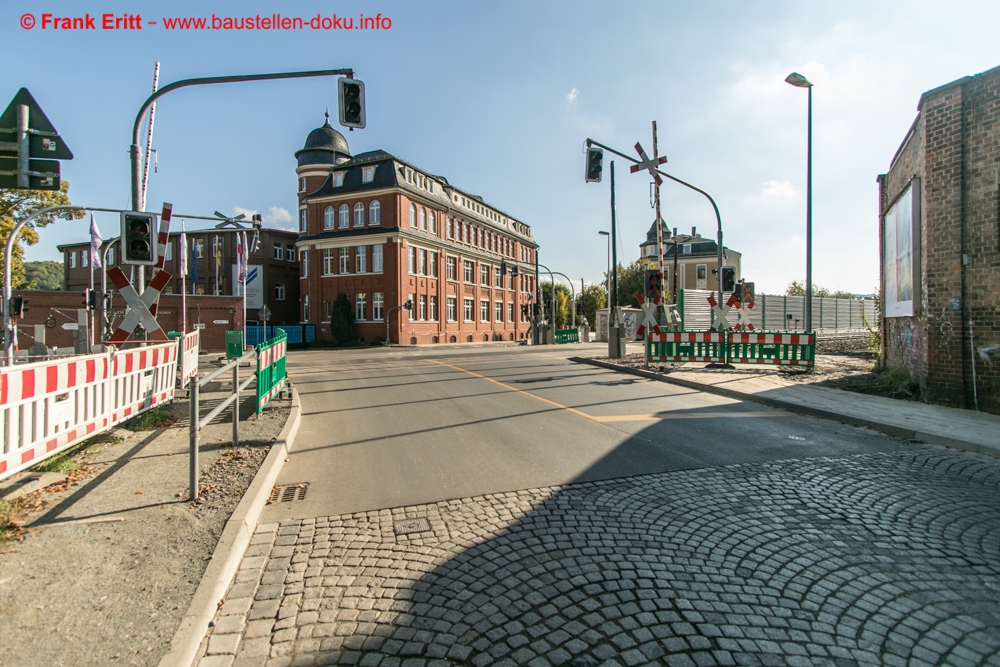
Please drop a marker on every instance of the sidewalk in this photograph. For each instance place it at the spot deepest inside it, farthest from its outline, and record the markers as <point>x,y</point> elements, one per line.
<point>951,427</point>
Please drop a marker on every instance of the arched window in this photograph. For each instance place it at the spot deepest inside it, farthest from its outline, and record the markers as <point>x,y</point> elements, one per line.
<point>345,215</point>
<point>431,225</point>
<point>328,217</point>
<point>413,215</point>
<point>374,213</point>
<point>359,215</point>
<point>423,219</point>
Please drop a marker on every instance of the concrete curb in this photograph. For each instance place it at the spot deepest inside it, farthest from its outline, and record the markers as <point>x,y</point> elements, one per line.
<point>232,544</point>
<point>888,429</point>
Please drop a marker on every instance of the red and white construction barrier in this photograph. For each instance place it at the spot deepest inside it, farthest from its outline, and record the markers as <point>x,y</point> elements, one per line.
<point>710,343</point>
<point>189,344</point>
<point>49,406</point>
<point>743,350</point>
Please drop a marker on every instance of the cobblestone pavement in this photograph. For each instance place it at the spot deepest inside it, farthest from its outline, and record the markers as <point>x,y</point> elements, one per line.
<point>874,559</point>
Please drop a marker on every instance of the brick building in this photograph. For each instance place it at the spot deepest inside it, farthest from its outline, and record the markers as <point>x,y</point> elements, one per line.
<point>383,231</point>
<point>697,259</point>
<point>275,259</point>
<point>939,237</point>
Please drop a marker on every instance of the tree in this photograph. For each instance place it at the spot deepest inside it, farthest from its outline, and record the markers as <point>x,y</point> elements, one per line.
<point>594,298</point>
<point>342,320</point>
<point>798,288</point>
<point>631,282</point>
<point>45,275</point>
<point>562,302</point>
<point>18,204</point>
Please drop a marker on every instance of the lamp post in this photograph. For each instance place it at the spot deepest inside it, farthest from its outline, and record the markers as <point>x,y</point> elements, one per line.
<point>800,81</point>
<point>607,277</point>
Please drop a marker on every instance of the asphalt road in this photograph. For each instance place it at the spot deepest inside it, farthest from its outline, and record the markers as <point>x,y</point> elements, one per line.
<point>386,428</point>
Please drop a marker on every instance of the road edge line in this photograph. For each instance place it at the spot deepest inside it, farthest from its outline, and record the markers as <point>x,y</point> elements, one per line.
<point>229,550</point>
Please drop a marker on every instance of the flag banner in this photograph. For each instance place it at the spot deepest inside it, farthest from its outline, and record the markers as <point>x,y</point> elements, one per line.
<point>183,251</point>
<point>95,242</point>
<point>194,262</point>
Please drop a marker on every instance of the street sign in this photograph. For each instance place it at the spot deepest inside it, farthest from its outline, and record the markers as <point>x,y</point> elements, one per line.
<point>71,326</point>
<point>199,325</point>
<point>220,321</point>
<point>29,146</point>
<point>648,163</point>
<point>264,313</point>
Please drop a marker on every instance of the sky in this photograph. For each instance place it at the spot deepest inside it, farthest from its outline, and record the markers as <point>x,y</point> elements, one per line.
<point>499,98</point>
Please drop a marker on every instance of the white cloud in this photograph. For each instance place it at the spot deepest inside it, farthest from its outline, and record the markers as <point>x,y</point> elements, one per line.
<point>779,190</point>
<point>571,97</point>
<point>245,211</point>
<point>276,216</point>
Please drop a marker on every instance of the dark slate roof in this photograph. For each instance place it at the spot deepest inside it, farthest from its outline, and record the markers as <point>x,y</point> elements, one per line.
<point>385,175</point>
<point>324,145</point>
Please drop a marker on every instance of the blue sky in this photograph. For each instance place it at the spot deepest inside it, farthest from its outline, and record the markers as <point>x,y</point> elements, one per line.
<point>499,97</point>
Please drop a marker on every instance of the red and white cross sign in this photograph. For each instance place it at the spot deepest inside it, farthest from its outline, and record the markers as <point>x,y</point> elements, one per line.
<point>648,163</point>
<point>648,316</point>
<point>719,312</point>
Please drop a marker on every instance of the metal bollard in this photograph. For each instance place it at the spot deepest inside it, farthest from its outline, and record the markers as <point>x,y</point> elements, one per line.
<point>236,405</point>
<point>194,439</point>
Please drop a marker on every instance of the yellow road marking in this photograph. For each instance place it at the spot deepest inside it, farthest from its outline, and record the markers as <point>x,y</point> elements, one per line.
<point>612,418</point>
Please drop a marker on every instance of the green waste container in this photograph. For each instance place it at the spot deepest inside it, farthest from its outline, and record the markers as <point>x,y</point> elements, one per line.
<point>234,344</point>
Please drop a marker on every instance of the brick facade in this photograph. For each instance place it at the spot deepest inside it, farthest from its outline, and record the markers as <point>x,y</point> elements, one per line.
<point>953,152</point>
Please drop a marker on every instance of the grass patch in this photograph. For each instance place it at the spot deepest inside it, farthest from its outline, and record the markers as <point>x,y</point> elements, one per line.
<point>61,463</point>
<point>155,418</point>
<point>10,527</point>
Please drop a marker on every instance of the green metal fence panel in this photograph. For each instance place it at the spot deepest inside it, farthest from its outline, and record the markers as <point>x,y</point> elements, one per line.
<point>567,336</point>
<point>708,346</point>
<point>779,348</point>
<point>270,369</point>
<point>234,344</point>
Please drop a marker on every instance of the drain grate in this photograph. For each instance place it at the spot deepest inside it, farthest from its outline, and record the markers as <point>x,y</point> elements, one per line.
<point>418,524</point>
<point>289,492</point>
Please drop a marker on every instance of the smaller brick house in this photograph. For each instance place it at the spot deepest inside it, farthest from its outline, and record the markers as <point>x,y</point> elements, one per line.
<point>939,236</point>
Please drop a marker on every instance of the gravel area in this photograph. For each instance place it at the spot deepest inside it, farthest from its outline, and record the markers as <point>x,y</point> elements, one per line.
<point>109,563</point>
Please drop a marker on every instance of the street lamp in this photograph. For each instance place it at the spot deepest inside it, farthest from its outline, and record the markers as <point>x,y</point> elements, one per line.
<point>607,277</point>
<point>800,81</point>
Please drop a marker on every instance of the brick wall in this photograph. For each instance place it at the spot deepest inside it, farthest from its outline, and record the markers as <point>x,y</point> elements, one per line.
<point>62,308</point>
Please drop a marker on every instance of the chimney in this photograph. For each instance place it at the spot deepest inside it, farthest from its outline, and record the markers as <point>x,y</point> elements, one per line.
<point>694,231</point>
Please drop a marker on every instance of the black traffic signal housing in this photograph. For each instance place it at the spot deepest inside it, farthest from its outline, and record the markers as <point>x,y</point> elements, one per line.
<point>524,309</point>
<point>351,102</point>
<point>728,278</point>
<point>408,305</point>
<point>595,164</point>
<point>139,238</point>
<point>91,297</point>
<point>18,306</point>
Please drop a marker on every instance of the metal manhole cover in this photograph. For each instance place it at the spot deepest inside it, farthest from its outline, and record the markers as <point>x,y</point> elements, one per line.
<point>418,524</point>
<point>288,493</point>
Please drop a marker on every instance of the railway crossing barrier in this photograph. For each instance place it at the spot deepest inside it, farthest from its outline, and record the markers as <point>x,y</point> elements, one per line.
<point>270,369</point>
<point>736,347</point>
<point>567,336</point>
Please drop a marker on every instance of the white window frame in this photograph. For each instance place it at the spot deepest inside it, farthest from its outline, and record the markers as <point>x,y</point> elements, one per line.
<point>378,305</point>
<point>303,220</point>
<point>510,311</point>
<point>452,309</point>
<point>344,264</point>
<point>359,215</point>
<point>411,257</point>
<point>278,250</point>
<point>422,307</point>
<point>360,305</point>
<point>498,311</point>
<point>484,310</point>
<point>432,264</point>
<point>469,271</point>
<point>368,174</point>
<point>302,184</point>
<point>85,257</point>
<point>453,268</point>
<point>423,262</point>
<point>484,275</point>
<point>469,309</point>
<point>432,313</point>
<point>431,222</point>
<point>423,218</point>
<point>279,291</point>
<point>328,259</point>
<point>304,263</point>
<point>71,257</point>
<point>329,218</point>
<point>344,216</point>
<point>338,179</point>
<point>374,213</point>
<point>289,253</point>
<point>413,215</point>
<point>377,259</point>
<point>361,259</point>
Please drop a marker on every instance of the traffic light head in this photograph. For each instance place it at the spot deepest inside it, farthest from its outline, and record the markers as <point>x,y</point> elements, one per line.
<point>18,306</point>
<point>595,164</point>
<point>408,305</point>
<point>728,278</point>
<point>138,238</point>
<point>351,102</point>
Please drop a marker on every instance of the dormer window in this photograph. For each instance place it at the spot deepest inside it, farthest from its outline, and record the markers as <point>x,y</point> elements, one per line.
<point>338,179</point>
<point>368,175</point>
<point>687,249</point>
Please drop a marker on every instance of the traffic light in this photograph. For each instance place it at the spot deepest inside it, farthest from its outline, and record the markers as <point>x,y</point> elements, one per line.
<point>524,309</point>
<point>408,305</point>
<point>17,306</point>
<point>91,297</point>
<point>351,97</point>
<point>728,278</point>
<point>138,238</point>
<point>595,164</point>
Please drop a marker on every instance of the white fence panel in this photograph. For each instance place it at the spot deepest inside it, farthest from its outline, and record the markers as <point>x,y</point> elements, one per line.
<point>189,356</point>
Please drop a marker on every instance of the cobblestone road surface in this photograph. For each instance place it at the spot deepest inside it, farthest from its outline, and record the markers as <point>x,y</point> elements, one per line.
<point>875,559</point>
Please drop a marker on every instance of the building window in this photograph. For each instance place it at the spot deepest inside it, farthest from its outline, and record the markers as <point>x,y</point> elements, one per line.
<point>484,311</point>
<point>345,260</point>
<point>374,213</point>
<point>359,306</point>
<point>170,251</point>
<point>432,269</point>
<point>431,224</point>
<point>702,271</point>
<point>361,259</point>
<point>71,256</point>
<point>279,291</point>
<point>497,278</point>
<point>423,218</point>
<point>469,311</point>
<point>452,315</point>
<point>327,261</point>
<point>290,253</point>
<point>498,311</point>
<point>302,185</point>
<point>422,309</point>
<point>423,262</point>
<point>687,249</point>
<point>85,257</point>
<point>328,307</point>
<point>510,312</point>
<point>413,215</point>
<point>338,179</point>
<point>470,268</point>
<point>305,308</point>
<point>279,251</point>
<point>449,230</point>
<point>303,220</point>
<point>368,174</point>
<point>412,257</point>
<point>111,255</point>
<point>377,258</point>
<point>305,263</point>
<point>434,308</point>
<point>328,218</point>
<point>345,216</point>
<point>451,269</point>
<point>359,215</point>
<point>378,302</point>
<point>484,275</point>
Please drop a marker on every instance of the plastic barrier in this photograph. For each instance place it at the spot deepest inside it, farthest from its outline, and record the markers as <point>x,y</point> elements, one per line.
<point>706,346</point>
<point>49,406</point>
<point>270,369</point>
<point>234,344</point>
<point>189,356</point>
<point>567,336</point>
<point>787,349</point>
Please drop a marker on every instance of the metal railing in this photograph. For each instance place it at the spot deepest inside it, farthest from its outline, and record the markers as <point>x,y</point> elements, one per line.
<point>233,399</point>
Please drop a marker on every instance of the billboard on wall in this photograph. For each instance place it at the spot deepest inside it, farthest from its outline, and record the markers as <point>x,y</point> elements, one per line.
<point>255,285</point>
<point>901,253</point>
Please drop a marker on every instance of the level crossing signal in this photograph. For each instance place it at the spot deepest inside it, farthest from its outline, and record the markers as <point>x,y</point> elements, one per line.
<point>595,164</point>
<point>728,278</point>
<point>91,297</point>
<point>18,306</point>
<point>351,102</point>
<point>138,244</point>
